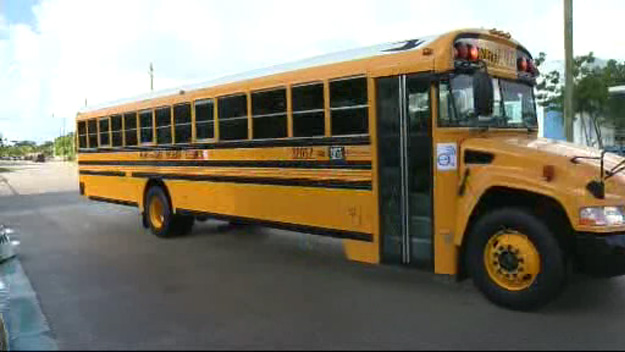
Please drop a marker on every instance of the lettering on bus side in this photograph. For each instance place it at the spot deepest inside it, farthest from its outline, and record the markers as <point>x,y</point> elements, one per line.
<point>194,155</point>
<point>170,154</point>
<point>302,153</point>
<point>337,153</point>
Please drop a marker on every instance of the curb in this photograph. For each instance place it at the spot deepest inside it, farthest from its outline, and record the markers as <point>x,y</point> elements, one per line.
<point>25,323</point>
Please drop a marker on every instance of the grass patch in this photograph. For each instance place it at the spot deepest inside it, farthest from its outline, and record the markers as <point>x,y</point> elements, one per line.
<point>4,169</point>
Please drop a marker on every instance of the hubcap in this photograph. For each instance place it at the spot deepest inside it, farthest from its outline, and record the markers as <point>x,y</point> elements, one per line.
<point>157,217</point>
<point>512,260</point>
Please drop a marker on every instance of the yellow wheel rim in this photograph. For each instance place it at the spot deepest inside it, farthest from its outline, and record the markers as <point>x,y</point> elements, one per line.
<point>512,260</point>
<point>157,217</point>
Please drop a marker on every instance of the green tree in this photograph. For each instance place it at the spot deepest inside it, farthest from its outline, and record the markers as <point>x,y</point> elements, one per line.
<point>549,88</point>
<point>64,146</point>
<point>591,99</point>
<point>46,149</point>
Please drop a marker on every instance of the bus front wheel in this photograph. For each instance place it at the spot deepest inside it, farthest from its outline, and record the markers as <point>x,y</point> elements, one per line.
<point>515,260</point>
<point>160,218</point>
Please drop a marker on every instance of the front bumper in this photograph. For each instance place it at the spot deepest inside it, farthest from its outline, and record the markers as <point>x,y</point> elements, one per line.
<point>600,255</point>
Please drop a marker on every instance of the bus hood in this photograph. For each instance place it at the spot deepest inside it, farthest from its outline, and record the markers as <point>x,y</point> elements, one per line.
<point>526,156</point>
<point>529,147</point>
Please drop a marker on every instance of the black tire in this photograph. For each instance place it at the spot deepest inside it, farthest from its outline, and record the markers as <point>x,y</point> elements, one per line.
<point>168,228</point>
<point>551,278</point>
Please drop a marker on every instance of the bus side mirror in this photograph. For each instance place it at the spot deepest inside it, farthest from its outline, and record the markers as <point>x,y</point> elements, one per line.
<point>483,94</point>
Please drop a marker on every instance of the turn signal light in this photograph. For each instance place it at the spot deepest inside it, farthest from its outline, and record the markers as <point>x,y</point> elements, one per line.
<point>549,172</point>
<point>462,52</point>
<point>531,67</point>
<point>466,52</point>
<point>474,54</point>
<point>522,64</point>
<point>526,65</point>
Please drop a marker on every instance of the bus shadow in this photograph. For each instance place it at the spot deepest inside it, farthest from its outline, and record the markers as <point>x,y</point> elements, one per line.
<point>222,228</point>
<point>584,293</point>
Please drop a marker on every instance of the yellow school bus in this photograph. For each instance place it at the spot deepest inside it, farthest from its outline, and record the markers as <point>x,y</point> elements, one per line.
<point>421,153</point>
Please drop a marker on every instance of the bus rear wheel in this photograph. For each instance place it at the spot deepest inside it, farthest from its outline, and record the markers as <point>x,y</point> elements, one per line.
<point>515,260</point>
<point>160,218</point>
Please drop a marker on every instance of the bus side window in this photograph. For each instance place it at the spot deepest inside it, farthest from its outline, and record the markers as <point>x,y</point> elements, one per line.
<point>130,128</point>
<point>233,117</point>
<point>104,132</point>
<point>116,130</point>
<point>163,125</point>
<point>182,121</point>
<point>269,114</point>
<point>92,130</point>
<point>82,134</point>
<point>349,110</point>
<point>308,112</point>
<point>145,118</point>
<point>204,119</point>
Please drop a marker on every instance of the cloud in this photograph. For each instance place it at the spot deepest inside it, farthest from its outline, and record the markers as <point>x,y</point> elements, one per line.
<point>100,50</point>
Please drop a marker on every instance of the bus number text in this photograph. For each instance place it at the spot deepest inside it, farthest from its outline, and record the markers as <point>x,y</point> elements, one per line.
<point>300,153</point>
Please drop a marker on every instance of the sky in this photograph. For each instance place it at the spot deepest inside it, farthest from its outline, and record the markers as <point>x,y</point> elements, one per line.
<point>55,54</point>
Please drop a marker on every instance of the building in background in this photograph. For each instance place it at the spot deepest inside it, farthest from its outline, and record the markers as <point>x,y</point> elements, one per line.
<point>617,97</point>
<point>551,125</point>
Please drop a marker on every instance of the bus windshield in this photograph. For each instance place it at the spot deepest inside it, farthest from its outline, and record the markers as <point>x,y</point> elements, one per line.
<point>513,104</point>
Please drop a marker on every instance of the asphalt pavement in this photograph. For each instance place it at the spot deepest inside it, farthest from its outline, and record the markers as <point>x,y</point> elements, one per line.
<point>103,282</point>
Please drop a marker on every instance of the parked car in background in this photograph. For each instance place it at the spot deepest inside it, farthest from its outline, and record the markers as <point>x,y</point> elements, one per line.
<point>40,158</point>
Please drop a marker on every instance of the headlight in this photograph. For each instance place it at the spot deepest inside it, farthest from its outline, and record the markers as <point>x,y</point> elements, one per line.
<point>602,216</point>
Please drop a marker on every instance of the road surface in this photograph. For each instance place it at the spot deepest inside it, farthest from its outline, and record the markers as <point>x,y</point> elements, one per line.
<point>105,283</point>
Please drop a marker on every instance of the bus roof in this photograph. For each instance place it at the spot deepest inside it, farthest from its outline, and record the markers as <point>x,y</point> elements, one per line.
<point>388,48</point>
<point>327,59</point>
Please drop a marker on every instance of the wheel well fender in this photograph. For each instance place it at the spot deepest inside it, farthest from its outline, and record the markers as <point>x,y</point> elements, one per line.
<point>155,182</point>
<point>542,206</point>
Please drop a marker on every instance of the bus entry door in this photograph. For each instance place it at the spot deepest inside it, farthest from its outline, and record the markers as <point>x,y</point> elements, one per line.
<point>405,169</point>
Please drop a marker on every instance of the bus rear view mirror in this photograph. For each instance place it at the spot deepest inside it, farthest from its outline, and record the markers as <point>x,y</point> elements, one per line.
<point>483,94</point>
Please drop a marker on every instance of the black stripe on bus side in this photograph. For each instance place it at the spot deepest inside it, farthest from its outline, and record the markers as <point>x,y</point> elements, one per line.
<point>351,235</point>
<point>362,185</point>
<point>114,201</point>
<point>299,142</point>
<point>102,173</point>
<point>297,164</point>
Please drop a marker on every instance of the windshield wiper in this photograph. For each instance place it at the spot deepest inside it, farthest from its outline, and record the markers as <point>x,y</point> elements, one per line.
<point>616,169</point>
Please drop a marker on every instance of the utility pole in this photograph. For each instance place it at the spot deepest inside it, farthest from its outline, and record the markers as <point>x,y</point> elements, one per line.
<point>569,113</point>
<point>151,77</point>
<point>63,141</point>
<point>55,142</point>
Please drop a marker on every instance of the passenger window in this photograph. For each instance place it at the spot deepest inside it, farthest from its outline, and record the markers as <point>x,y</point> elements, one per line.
<point>116,130</point>
<point>104,132</point>
<point>92,130</point>
<point>182,120</point>
<point>348,106</point>
<point>82,134</point>
<point>269,114</point>
<point>147,134</point>
<point>308,110</point>
<point>204,119</point>
<point>163,125</point>
<point>130,128</point>
<point>233,117</point>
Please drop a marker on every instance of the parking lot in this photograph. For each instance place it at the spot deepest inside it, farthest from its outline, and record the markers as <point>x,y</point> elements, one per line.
<point>103,282</point>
